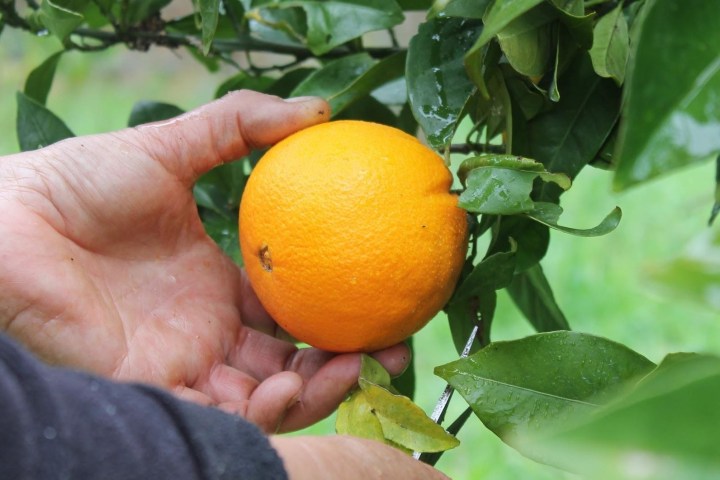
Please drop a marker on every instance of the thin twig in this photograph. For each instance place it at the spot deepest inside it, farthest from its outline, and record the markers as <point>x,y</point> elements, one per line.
<point>444,400</point>
<point>467,148</point>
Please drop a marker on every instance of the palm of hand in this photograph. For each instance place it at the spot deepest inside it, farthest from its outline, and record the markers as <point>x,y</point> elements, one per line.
<point>128,284</point>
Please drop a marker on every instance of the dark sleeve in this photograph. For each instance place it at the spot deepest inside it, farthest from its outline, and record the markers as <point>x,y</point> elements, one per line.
<point>61,424</point>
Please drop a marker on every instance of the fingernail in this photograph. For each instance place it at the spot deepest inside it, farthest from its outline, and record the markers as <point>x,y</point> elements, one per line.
<point>299,99</point>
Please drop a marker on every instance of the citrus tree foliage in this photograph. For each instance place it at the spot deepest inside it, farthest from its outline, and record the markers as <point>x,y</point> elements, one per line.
<point>519,96</point>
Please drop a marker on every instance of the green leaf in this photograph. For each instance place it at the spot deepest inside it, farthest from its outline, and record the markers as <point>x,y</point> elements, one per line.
<point>497,17</point>
<point>438,85</point>
<point>474,300</point>
<point>569,135</point>
<point>209,12</point>
<point>526,41</point>
<point>694,274</point>
<point>37,126</point>
<point>716,205</point>
<point>139,10</point>
<point>415,4</point>
<point>39,81</point>
<point>549,213</point>
<point>345,80</point>
<point>672,113</point>
<point>328,24</point>
<point>611,45</point>
<point>243,80</point>
<point>223,230</point>
<point>405,383</point>
<point>578,25</point>
<point>501,184</point>
<point>333,22</point>
<point>465,8</point>
<point>463,315</point>
<point>492,273</point>
<point>218,193</point>
<point>370,110</point>
<point>148,111</point>
<point>534,383</point>
<point>404,423</point>
<point>532,239</point>
<point>664,428</point>
<point>532,294</point>
<point>61,17</point>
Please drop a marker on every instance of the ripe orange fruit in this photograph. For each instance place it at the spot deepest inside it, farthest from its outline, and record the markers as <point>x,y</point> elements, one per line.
<point>350,235</point>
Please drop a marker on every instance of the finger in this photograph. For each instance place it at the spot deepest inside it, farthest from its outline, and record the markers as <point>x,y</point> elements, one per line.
<point>323,392</point>
<point>330,378</point>
<point>271,400</point>
<point>227,129</point>
<point>192,395</point>
<point>227,384</point>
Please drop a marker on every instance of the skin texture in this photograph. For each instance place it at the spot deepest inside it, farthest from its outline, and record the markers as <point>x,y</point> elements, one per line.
<point>348,458</point>
<point>106,266</point>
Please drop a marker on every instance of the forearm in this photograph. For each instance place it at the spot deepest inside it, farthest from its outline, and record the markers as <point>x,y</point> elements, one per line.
<point>57,423</point>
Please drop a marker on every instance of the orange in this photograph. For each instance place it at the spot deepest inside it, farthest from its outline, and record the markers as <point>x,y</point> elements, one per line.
<point>350,235</point>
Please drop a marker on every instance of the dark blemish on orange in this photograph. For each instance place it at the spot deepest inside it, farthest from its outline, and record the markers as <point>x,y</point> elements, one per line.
<point>265,260</point>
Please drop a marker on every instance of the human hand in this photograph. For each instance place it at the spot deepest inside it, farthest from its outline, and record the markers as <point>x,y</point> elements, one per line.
<point>349,458</point>
<point>107,267</point>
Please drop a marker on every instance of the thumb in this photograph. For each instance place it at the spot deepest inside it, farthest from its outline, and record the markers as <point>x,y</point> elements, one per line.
<point>227,129</point>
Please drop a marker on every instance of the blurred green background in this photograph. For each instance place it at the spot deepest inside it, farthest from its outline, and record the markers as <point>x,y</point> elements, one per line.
<point>602,284</point>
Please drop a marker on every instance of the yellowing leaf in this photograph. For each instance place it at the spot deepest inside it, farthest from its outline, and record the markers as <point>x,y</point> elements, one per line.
<point>355,417</point>
<point>404,423</point>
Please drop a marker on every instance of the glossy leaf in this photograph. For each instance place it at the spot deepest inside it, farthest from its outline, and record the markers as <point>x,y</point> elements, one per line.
<point>536,382</point>
<point>549,214</point>
<point>223,230</point>
<point>527,41</point>
<point>498,16</point>
<point>466,313</point>
<point>664,428</point>
<point>333,22</point>
<point>342,82</point>
<point>328,24</point>
<point>492,273</point>
<point>61,17</point>
<point>242,80</point>
<point>148,111</point>
<point>532,294</point>
<point>501,184</point>
<point>672,112</point>
<point>37,126</point>
<point>39,81</point>
<point>532,239</point>
<point>209,11</point>
<point>465,8</point>
<point>573,18</point>
<point>218,193</point>
<point>438,86</point>
<point>611,45</point>
<point>569,136</point>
